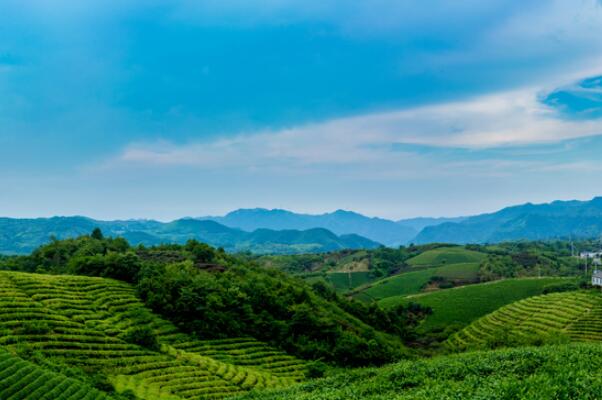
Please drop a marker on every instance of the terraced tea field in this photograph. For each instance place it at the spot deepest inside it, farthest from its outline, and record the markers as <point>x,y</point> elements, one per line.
<point>84,322</point>
<point>460,306</point>
<point>574,316</point>
<point>22,380</point>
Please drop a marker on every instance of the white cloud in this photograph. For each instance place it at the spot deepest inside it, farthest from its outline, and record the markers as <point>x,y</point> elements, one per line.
<point>514,118</point>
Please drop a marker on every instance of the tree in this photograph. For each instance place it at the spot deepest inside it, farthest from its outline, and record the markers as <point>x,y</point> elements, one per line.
<point>97,234</point>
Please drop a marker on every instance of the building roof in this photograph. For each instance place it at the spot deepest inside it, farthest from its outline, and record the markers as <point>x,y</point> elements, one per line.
<point>597,274</point>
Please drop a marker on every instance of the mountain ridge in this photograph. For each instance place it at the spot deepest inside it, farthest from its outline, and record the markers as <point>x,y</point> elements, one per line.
<point>545,221</point>
<point>21,236</point>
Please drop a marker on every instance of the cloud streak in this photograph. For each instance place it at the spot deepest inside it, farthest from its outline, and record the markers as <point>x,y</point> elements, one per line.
<point>509,119</point>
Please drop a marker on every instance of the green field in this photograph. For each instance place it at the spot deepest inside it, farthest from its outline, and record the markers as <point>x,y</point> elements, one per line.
<point>553,372</point>
<point>446,255</point>
<point>22,380</point>
<point>460,306</point>
<point>93,324</point>
<point>553,317</point>
<point>413,282</point>
<point>343,281</point>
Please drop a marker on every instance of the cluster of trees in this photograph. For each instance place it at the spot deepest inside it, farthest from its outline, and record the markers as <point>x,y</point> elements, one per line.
<point>524,259</point>
<point>212,294</point>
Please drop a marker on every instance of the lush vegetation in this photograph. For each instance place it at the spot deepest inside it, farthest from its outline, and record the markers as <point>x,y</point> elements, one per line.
<point>416,281</point>
<point>455,308</point>
<point>190,321</point>
<point>446,255</point>
<point>555,372</point>
<point>551,318</point>
<point>211,294</point>
<point>370,275</point>
<point>23,380</point>
<point>97,330</point>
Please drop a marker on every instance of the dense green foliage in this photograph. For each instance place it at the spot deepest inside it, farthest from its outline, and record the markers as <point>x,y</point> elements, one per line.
<point>215,295</point>
<point>560,372</point>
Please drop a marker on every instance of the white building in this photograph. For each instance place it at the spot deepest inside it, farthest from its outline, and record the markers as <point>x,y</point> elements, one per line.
<point>597,278</point>
<point>591,255</point>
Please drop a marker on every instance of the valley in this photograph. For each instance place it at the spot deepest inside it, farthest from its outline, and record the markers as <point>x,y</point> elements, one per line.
<point>107,320</point>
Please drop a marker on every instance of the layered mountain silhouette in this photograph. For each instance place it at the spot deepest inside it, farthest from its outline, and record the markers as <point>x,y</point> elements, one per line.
<point>20,236</point>
<point>559,219</point>
<point>284,232</point>
<point>340,222</point>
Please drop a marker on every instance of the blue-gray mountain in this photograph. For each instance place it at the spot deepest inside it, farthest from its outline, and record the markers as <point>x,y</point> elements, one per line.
<point>560,219</point>
<point>21,236</point>
<point>341,222</point>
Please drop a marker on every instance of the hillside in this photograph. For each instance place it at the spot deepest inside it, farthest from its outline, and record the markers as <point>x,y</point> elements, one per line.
<point>560,219</point>
<point>212,294</point>
<point>457,307</point>
<point>445,256</point>
<point>556,372</point>
<point>407,283</point>
<point>23,380</point>
<point>21,236</point>
<point>99,326</point>
<point>551,318</point>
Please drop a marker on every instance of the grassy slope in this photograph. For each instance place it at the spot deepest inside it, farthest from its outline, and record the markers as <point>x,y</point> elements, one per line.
<point>412,282</point>
<point>447,255</point>
<point>556,372</point>
<point>22,380</point>
<point>552,317</point>
<point>343,281</point>
<point>462,305</point>
<point>81,321</point>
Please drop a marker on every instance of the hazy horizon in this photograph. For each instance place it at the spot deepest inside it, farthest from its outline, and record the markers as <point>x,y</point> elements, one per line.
<point>216,215</point>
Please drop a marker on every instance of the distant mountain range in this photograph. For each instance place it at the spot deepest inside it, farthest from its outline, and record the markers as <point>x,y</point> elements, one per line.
<point>560,219</point>
<point>21,236</point>
<point>341,222</point>
<point>284,232</point>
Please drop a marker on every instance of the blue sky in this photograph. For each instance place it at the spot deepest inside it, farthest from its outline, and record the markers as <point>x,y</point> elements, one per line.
<point>395,108</point>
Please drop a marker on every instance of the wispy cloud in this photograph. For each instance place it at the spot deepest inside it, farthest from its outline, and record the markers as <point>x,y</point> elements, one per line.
<point>511,119</point>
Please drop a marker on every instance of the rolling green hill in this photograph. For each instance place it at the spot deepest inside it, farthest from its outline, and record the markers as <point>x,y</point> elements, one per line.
<point>100,326</point>
<point>415,281</point>
<point>446,255</point>
<point>549,318</point>
<point>458,307</point>
<point>553,372</point>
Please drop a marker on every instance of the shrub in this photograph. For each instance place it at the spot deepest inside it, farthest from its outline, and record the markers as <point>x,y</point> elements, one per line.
<point>142,336</point>
<point>316,369</point>
<point>560,287</point>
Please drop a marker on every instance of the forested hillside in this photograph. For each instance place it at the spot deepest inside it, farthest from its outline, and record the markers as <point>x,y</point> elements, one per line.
<point>211,294</point>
